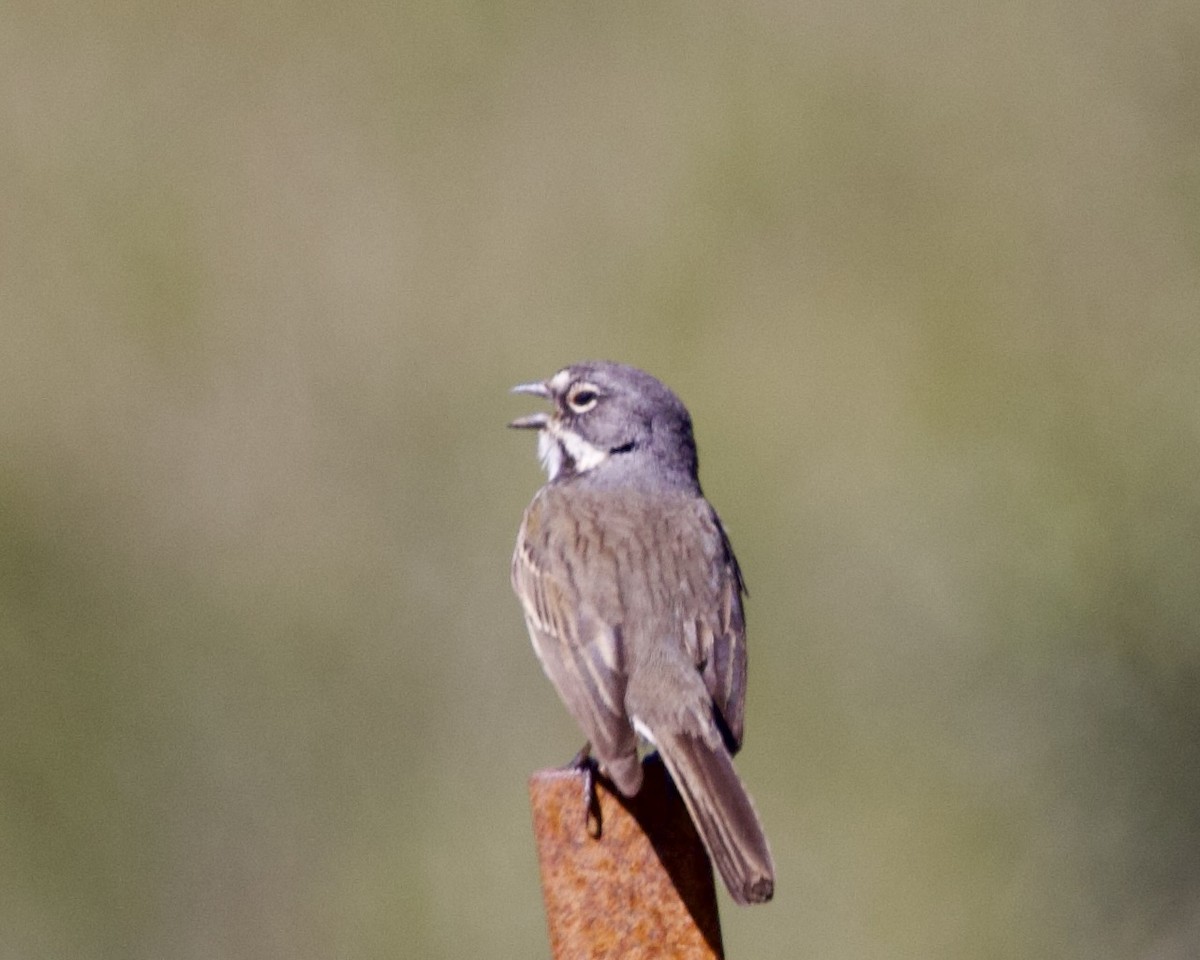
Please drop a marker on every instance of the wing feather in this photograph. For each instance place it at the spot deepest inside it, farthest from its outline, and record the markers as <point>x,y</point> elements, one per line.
<point>721,627</point>
<point>579,650</point>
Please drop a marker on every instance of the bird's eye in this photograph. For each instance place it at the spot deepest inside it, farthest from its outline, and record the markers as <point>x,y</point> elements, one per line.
<point>583,398</point>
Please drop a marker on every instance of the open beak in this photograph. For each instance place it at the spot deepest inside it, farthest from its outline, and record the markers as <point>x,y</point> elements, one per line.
<point>535,421</point>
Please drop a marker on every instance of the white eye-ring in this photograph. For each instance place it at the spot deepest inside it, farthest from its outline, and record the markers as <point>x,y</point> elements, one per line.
<point>583,397</point>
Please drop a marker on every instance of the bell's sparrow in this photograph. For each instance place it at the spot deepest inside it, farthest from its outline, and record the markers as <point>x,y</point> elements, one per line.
<point>633,600</point>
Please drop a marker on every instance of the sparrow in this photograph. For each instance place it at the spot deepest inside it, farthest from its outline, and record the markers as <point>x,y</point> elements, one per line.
<point>632,597</point>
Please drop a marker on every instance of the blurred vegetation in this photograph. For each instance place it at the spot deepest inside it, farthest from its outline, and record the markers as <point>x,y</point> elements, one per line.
<point>927,277</point>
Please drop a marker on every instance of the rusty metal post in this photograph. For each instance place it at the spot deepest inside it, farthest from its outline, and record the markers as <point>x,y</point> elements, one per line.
<point>642,889</point>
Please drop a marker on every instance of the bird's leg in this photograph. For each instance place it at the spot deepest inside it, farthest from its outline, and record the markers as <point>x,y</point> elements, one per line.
<point>586,764</point>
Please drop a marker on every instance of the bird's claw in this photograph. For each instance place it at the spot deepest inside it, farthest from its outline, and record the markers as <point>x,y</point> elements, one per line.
<point>586,764</point>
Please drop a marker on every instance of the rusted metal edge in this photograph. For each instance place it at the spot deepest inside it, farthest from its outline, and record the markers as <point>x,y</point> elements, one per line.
<point>642,889</point>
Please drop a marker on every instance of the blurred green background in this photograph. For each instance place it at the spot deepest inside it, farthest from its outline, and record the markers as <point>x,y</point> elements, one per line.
<point>928,277</point>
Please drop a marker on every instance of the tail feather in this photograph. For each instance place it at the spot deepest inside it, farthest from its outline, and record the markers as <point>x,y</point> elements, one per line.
<point>723,813</point>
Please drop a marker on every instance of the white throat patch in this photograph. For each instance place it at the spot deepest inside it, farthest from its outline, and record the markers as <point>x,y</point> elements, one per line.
<point>549,453</point>
<point>555,445</point>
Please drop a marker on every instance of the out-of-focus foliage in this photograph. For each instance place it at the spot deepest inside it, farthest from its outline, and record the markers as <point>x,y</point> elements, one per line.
<point>927,276</point>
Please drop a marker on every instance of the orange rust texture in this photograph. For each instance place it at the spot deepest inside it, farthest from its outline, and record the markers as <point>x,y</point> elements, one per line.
<point>643,889</point>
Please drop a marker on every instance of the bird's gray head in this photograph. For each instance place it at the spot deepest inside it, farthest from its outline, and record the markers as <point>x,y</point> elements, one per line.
<point>612,424</point>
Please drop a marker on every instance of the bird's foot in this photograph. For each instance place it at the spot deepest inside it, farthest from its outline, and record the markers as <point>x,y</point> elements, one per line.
<point>586,764</point>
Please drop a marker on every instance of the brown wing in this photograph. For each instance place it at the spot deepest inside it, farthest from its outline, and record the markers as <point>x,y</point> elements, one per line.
<point>721,626</point>
<point>580,650</point>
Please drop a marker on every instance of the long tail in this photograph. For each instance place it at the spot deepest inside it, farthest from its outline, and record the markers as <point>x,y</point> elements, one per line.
<point>723,813</point>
